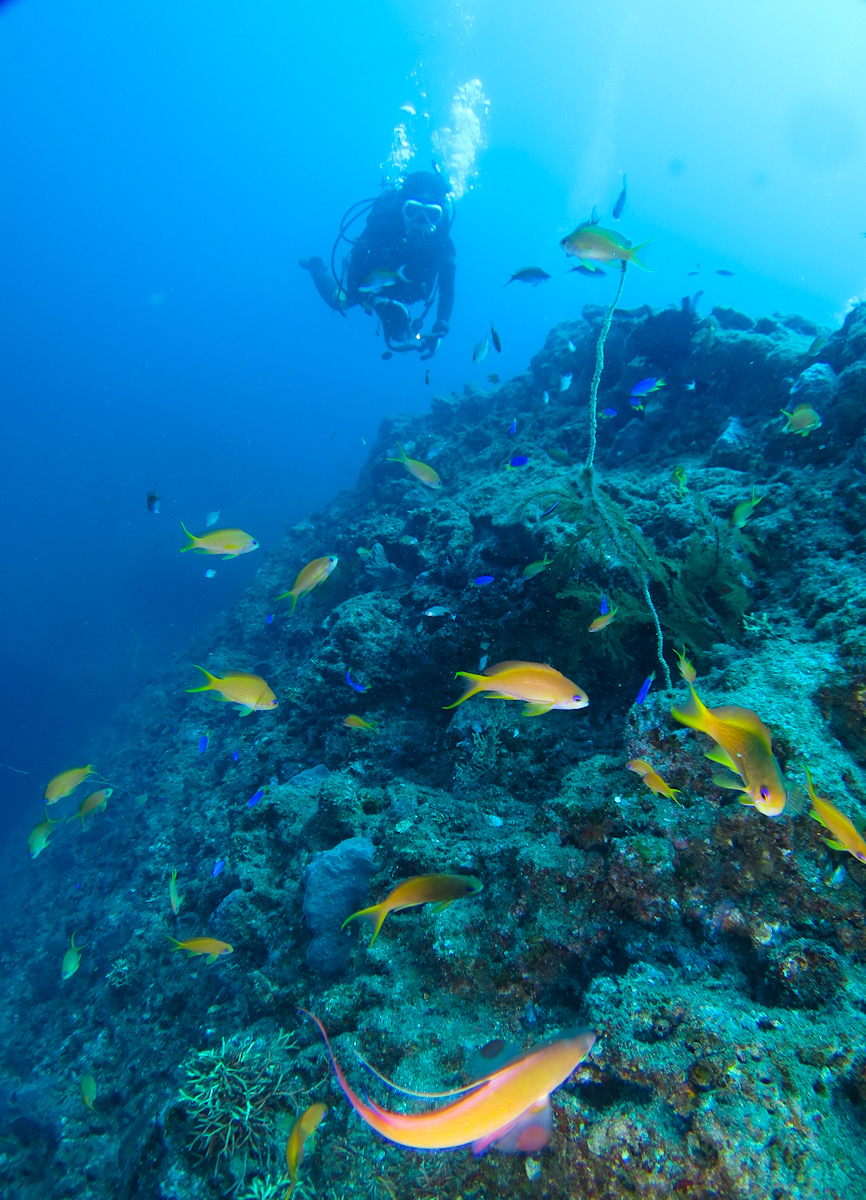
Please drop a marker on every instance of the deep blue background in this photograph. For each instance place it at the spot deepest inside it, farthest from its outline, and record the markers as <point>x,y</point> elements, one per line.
<point>163,167</point>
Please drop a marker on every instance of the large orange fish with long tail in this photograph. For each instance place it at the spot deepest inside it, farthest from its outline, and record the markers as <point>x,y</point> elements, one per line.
<point>509,1108</point>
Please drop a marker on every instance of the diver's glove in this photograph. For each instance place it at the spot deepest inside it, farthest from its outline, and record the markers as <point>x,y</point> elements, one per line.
<point>439,330</point>
<point>429,345</point>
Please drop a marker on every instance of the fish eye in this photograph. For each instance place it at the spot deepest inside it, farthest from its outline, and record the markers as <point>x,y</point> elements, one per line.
<point>765,794</point>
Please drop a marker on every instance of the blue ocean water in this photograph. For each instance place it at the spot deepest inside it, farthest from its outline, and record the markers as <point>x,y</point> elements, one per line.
<point>165,166</point>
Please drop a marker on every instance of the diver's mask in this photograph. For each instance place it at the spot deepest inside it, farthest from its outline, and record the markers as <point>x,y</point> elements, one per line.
<point>421,217</point>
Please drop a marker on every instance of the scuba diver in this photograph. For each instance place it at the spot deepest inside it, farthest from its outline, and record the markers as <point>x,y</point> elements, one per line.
<point>404,251</point>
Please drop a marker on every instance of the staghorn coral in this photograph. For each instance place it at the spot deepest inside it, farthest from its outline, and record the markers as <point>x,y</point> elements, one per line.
<point>233,1097</point>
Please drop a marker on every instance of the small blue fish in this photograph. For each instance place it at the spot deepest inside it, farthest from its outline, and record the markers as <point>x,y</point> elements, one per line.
<point>545,397</point>
<point>604,610</point>
<point>519,460</point>
<point>253,800</point>
<point>620,201</point>
<point>548,511</point>
<point>565,383</point>
<point>269,618</point>
<point>202,746</point>
<point>513,428</point>
<point>645,386</point>
<point>572,347</point>
<point>209,574</point>
<point>358,687</point>
<point>234,756</point>
<point>218,866</point>
<point>589,272</point>
<point>645,687</point>
<point>482,580</point>
<point>608,412</point>
<point>722,271</point>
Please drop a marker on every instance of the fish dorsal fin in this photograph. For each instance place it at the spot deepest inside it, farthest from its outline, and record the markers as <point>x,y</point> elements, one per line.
<point>517,665</point>
<point>745,720</point>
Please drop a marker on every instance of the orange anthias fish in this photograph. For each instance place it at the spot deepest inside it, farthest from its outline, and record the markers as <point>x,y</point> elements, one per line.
<point>509,1107</point>
<point>249,693</point>
<point>802,420</point>
<point>227,542</point>
<point>438,890</point>
<point>590,243</point>
<point>203,945</point>
<point>305,1126</point>
<point>65,783</point>
<point>422,471</point>
<point>540,686</point>
<point>846,835</point>
<point>308,577</point>
<point>744,747</point>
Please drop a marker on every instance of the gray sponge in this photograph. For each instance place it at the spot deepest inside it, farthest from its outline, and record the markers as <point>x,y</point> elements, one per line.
<point>335,885</point>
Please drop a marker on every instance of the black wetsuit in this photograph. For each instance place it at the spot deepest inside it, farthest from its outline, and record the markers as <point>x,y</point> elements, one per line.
<point>385,244</point>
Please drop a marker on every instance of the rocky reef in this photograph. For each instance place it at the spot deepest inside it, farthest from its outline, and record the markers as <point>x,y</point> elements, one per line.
<point>717,953</point>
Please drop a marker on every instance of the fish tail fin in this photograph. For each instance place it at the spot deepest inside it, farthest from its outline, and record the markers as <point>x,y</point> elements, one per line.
<point>375,917</point>
<point>205,687</point>
<point>294,596</point>
<point>634,258</point>
<point>476,685</point>
<point>192,539</point>
<point>177,945</point>
<point>693,714</point>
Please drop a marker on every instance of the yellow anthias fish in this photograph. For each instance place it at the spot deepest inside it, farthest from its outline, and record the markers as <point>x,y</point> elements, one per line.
<point>227,542</point>
<point>92,803</point>
<point>744,510</point>
<point>652,779</point>
<point>846,835</point>
<point>509,1107</point>
<point>802,420</point>
<point>745,747</point>
<point>602,622</point>
<point>535,568</point>
<point>209,946</point>
<point>65,783</point>
<point>540,686</point>
<point>249,693</point>
<point>355,722</point>
<point>422,471</point>
<point>590,243</point>
<point>308,577</point>
<point>174,899</point>
<point>438,890</point>
<point>88,1090</point>
<point>305,1126</point>
<point>72,959</point>
<point>39,835</point>
<point>686,670</point>
<point>640,766</point>
<point>678,479</point>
